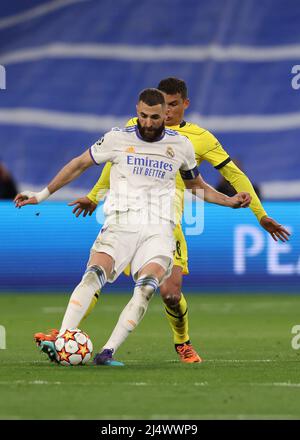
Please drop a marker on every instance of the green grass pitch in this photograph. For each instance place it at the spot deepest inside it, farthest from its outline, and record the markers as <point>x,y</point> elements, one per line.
<point>250,369</point>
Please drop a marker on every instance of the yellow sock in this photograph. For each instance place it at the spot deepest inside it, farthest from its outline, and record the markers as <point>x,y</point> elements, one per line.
<point>178,320</point>
<point>91,306</point>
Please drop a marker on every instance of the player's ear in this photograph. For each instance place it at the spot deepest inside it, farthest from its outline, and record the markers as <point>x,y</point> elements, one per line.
<point>186,103</point>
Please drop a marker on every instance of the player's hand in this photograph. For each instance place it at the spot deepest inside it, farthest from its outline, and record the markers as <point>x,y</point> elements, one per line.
<point>25,198</point>
<point>275,229</point>
<point>83,204</point>
<point>241,200</point>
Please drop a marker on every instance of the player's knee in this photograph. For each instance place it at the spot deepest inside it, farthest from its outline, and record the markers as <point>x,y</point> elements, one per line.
<point>146,287</point>
<point>94,274</point>
<point>171,293</point>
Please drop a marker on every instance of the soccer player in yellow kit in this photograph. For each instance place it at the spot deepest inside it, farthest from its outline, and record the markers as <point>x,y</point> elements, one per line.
<point>208,148</point>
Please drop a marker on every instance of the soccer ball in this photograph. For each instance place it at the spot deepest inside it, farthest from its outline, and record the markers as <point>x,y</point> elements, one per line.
<point>73,347</point>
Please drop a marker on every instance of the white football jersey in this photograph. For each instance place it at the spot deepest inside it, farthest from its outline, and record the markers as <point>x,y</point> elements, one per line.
<point>142,177</point>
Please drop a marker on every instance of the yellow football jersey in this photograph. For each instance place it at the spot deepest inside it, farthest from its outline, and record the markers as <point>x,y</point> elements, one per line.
<point>207,147</point>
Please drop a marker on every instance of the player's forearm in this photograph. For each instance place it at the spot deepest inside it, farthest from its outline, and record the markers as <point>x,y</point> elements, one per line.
<point>240,182</point>
<point>67,174</point>
<point>210,195</point>
<point>204,191</point>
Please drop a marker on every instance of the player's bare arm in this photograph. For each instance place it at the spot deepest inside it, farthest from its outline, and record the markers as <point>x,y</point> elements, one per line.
<point>67,174</point>
<point>88,203</point>
<point>240,200</point>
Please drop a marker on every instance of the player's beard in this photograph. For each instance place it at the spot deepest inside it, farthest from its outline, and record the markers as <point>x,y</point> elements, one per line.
<point>150,134</point>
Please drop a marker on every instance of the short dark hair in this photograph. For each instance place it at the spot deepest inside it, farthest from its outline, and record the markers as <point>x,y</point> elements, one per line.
<point>152,97</point>
<point>172,85</point>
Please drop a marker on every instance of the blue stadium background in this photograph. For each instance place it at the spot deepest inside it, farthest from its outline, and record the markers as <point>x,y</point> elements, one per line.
<point>74,69</point>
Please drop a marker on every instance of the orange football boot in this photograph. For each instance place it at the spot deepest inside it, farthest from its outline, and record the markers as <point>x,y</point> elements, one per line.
<point>38,337</point>
<point>187,353</point>
<point>45,343</point>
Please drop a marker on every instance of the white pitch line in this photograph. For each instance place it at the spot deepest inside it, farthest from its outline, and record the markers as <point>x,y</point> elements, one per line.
<point>66,383</point>
<point>240,360</point>
<point>277,384</point>
<point>43,382</point>
<point>29,382</point>
<point>221,416</point>
<point>129,361</point>
<point>169,361</point>
<point>138,384</point>
<point>177,417</point>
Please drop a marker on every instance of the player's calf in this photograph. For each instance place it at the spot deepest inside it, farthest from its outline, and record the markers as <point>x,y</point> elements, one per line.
<point>133,312</point>
<point>170,292</point>
<point>93,279</point>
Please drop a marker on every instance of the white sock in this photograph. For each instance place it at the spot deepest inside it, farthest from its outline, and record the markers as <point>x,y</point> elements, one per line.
<point>93,280</point>
<point>133,312</point>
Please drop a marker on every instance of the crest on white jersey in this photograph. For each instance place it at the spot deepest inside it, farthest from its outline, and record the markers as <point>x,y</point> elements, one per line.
<point>170,152</point>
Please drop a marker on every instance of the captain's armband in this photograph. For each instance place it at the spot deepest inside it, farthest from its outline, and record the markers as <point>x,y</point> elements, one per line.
<point>189,174</point>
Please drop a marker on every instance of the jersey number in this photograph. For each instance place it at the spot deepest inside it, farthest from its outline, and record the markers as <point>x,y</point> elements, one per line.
<point>178,248</point>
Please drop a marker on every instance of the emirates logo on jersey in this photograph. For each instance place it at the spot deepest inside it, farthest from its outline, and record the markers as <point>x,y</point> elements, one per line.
<point>170,152</point>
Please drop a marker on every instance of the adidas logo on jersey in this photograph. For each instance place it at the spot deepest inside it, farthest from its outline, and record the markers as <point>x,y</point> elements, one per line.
<point>130,150</point>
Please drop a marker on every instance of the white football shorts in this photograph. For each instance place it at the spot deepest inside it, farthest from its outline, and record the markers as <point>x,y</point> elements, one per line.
<point>137,245</point>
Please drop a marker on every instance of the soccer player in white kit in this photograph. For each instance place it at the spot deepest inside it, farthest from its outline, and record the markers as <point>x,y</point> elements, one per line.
<point>139,215</point>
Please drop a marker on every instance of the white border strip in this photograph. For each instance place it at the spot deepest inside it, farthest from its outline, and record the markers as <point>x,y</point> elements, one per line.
<point>247,123</point>
<point>153,53</point>
<point>93,123</point>
<point>60,120</point>
<point>281,189</point>
<point>38,11</point>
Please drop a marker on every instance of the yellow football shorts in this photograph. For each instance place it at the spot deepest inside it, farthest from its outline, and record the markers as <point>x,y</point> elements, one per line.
<point>181,252</point>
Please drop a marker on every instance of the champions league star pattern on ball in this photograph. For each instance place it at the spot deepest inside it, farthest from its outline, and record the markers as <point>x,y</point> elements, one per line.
<point>73,347</point>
